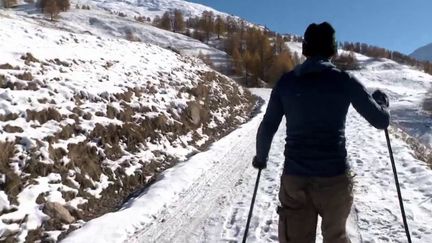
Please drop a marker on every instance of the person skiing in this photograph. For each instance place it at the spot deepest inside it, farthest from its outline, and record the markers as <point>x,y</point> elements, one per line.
<point>315,98</point>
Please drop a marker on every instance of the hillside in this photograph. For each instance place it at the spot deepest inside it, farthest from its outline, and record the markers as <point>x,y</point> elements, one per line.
<point>212,202</point>
<point>88,118</point>
<point>116,19</point>
<point>423,53</point>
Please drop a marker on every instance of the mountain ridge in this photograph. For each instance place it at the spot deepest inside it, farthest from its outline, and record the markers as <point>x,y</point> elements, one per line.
<point>423,53</point>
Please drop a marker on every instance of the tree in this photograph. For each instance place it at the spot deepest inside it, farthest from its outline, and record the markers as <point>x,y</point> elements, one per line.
<point>232,43</point>
<point>207,23</point>
<point>51,8</point>
<point>165,22</point>
<point>237,62</point>
<point>9,3</point>
<point>220,26</point>
<point>231,25</point>
<point>280,45</point>
<point>179,23</point>
<point>198,35</point>
<point>265,52</point>
<point>346,61</point>
<point>282,63</point>
<point>63,5</point>
<point>251,64</point>
<point>157,20</point>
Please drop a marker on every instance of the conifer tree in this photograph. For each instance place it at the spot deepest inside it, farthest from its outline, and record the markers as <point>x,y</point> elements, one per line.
<point>179,23</point>
<point>157,21</point>
<point>220,26</point>
<point>63,5</point>
<point>165,22</point>
<point>207,23</point>
<point>232,43</point>
<point>282,63</point>
<point>9,3</point>
<point>237,62</point>
<point>51,9</point>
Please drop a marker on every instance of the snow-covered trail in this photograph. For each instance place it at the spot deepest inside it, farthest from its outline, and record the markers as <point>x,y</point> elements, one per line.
<point>211,204</point>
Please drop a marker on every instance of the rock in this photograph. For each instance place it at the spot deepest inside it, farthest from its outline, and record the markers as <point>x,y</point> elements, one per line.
<point>56,210</point>
<point>193,112</point>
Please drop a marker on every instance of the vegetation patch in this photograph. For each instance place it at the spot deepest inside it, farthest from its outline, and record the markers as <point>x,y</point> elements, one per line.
<point>12,129</point>
<point>8,66</point>
<point>421,152</point>
<point>44,115</point>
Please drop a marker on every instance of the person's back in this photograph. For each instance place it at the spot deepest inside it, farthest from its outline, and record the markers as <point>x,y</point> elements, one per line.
<point>315,98</point>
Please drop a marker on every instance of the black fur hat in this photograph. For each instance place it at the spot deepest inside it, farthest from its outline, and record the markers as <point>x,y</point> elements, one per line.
<point>319,40</point>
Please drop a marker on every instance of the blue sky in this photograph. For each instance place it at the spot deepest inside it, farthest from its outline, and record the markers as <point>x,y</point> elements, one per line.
<point>401,25</point>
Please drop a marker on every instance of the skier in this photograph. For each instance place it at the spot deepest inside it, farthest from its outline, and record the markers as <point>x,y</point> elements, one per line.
<point>314,98</point>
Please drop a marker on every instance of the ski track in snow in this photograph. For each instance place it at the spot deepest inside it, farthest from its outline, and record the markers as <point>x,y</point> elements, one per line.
<point>215,207</point>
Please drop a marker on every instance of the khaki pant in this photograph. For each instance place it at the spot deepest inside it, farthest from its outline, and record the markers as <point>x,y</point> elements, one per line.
<point>304,198</point>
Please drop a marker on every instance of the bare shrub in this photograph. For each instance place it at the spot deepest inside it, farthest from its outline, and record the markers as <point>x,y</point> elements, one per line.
<point>6,66</point>
<point>43,115</point>
<point>8,117</point>
<point>346,61</point>
<point>27,76</point>
<point>130,36</point>
<point>12,129</point>
<point>13,184</point>
<point>28,58</point>
<point>56,154</point>
<point>7,152</point>
<point>86,158</point>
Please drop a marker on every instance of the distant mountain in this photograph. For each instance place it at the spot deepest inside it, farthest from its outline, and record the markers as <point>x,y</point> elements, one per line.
<point>423,53</point>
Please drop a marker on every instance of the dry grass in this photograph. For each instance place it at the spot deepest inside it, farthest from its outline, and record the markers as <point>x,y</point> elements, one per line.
<point>13,184</point>
<point>8,117</point>
<point>12,129</point>
<point>86,158</point>
<point>29,58</point>
<point>421,152</point>
<point>7,152</point>
<point>44,115</point>
<point>8,66</point>
<point>27,76</point>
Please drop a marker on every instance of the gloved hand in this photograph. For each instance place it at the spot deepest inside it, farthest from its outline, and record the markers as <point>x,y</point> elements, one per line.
<point>381,98</point>
<point>258,164</point>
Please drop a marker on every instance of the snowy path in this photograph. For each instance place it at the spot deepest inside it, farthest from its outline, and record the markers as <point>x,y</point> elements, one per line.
<point>211,204</point>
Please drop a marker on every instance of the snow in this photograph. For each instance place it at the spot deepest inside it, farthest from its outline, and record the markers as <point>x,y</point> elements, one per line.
<point>84,66</point>
<point>153,8</point>
<point>103,20</point>
<point>207,198</point>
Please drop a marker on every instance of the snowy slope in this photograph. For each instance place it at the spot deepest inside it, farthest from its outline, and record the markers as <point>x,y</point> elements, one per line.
<point>423,53</point>
<point>211,203</point>
<point>103,20</point>
<point>407,87</point>
<point>86,119</point>
<point>152,8</point>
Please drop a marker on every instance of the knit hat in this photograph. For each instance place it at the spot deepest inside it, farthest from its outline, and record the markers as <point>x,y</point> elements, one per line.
<point>319,40</point>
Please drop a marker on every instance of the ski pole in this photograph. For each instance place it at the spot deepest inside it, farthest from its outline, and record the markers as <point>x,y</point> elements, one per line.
<point>251,206</point>
<point>397,186</point>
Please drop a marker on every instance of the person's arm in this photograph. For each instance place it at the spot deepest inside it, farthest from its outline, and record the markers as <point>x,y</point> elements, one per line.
<point>377,115</point>
<point>268,127</point>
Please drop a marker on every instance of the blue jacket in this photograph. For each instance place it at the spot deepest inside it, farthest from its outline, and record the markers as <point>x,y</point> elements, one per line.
<point>314,98</point>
